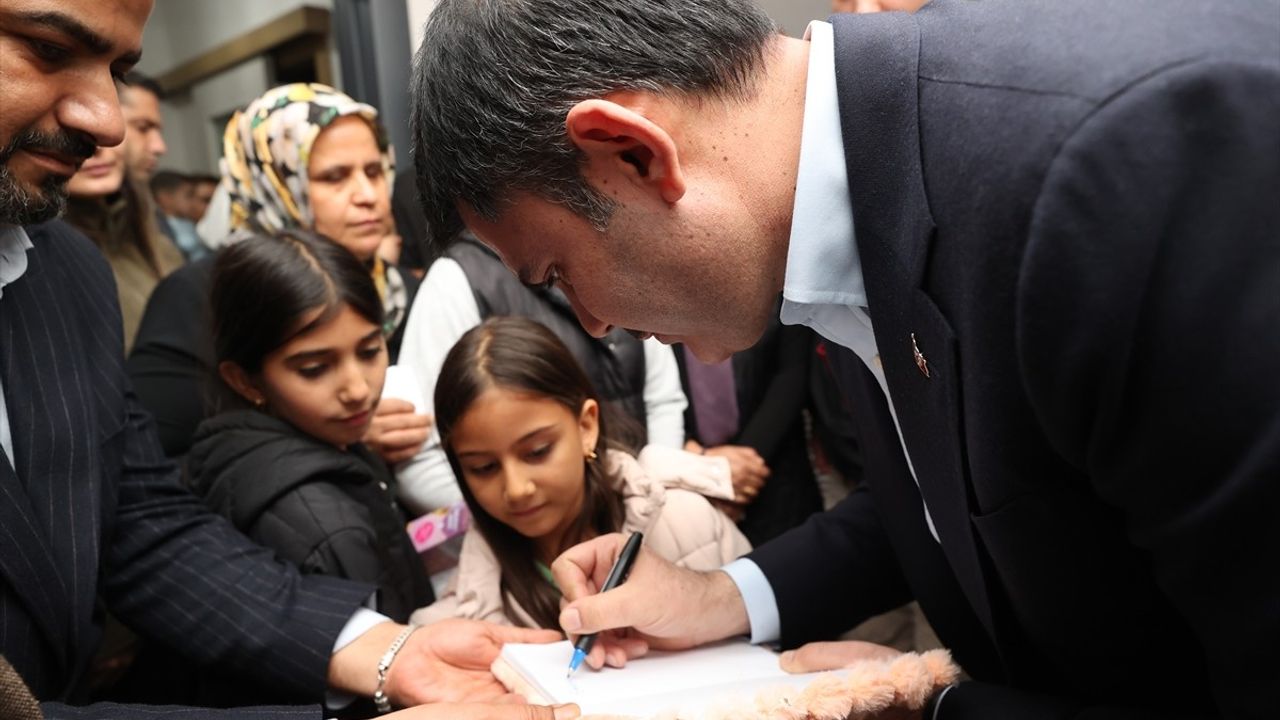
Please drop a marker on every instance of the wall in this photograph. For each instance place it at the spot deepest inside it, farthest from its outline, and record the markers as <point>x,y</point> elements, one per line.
<point>418,12</point>
<point>793,16</point>
<point>179,30</point>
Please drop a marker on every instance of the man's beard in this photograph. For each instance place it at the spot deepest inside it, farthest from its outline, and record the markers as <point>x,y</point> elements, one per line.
<point>21,205</point>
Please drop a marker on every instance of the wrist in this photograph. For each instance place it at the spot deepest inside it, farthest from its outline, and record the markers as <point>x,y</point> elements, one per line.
<point>720,591</point>
<point>380,697</point>
<point>353,668</point>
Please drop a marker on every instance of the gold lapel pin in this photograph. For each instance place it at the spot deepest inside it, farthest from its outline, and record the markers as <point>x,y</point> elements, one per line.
<point>920,361</point>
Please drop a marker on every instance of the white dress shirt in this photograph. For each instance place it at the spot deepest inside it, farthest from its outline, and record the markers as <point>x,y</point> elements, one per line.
<point>823,288</point>
<point>14,245</point>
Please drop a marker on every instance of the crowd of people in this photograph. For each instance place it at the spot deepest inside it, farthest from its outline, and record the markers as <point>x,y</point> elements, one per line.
<point>955,321</point>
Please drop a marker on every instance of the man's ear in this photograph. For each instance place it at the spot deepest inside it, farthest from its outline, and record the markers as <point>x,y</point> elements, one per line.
<point>618,141</point>
<point>238,380</point>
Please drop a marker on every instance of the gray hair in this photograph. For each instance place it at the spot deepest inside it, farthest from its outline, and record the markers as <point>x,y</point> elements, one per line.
<point>494,80</point>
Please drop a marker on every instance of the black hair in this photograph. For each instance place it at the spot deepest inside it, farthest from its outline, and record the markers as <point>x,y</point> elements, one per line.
<point>265,285</point>
<point>520,354</point>
<point>135,79</point>
<point>167,180</point>
<point>489,71</point>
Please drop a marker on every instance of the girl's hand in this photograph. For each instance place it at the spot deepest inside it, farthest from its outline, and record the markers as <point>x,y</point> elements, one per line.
<point>397,433</point>
<point>746,467</point>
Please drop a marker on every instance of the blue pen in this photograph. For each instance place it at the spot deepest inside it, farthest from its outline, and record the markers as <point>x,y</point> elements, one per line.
<point>621,568</point>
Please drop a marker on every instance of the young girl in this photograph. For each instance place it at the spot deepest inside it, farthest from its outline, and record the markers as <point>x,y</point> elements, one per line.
<point>523,431</point>
<point>299,338</point>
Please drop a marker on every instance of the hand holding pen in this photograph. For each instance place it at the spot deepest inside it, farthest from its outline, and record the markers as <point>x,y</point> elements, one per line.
<point>662,606</point>
<point>617,575</point>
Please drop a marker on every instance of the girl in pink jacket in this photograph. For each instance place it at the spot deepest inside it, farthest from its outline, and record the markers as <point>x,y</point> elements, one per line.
<point>527,440</point>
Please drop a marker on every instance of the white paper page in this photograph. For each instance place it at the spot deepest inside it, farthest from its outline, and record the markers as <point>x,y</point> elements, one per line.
<point>689,680</point>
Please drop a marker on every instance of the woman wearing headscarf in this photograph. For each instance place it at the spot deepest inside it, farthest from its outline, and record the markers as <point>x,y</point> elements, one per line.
<point>300,156</point>
<point>307,156</point>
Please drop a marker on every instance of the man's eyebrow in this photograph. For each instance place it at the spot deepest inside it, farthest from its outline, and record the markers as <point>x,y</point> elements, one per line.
<point>82,33</point>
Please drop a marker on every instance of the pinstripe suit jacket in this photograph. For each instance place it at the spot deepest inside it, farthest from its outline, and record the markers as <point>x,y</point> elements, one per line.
<point>91,507</point>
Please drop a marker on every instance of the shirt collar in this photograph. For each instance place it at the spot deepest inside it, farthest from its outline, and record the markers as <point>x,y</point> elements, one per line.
<point>14,245</point>
<point>823,266</point>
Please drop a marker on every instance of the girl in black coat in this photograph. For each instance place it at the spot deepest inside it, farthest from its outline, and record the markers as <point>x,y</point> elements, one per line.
<point>298,337</point>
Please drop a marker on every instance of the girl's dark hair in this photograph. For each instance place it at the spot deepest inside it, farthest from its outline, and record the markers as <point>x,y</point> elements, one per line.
<point>519,354</point>
<point>264,285</point>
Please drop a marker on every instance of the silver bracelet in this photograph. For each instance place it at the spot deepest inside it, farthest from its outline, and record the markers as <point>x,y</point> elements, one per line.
<point>380,698</point>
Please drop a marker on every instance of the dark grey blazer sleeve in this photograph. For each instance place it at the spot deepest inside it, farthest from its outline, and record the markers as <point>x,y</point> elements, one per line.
<point>1148,311</point>
<point>182,575</point>
<point>832,572</point>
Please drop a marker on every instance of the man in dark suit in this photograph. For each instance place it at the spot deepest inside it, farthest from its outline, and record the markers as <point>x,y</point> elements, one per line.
<point>89,507</point>
<point>1045,235</point>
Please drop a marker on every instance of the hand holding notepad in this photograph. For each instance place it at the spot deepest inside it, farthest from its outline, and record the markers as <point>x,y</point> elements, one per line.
<point>677,608</point>
<point>728,679</point>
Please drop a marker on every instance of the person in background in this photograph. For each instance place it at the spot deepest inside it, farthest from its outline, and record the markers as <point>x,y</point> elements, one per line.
<point>203,187</point>
<point>114,212</point>
<point>525,432</point>
<point>300,156</point>
<point>749,409</point>
<point>144,142</point>
<point>297,331</point>
<point>637,378</point>
<point>173,195</point>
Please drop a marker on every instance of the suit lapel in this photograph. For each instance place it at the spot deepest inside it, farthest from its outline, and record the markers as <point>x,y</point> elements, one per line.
<point>876,77</point>
<point>27,559</point>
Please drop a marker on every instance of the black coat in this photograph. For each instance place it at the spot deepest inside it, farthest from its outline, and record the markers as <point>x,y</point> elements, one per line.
<point>328,511</point>
<point>89,508</point>
<point>1069,209</point>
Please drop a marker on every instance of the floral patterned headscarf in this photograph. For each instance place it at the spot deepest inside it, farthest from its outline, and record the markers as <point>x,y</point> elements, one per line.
<point>267,146</point>
<point>265,153</point>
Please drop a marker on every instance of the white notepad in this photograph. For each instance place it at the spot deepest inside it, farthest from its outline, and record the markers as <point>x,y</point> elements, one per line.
<point>692,681</point>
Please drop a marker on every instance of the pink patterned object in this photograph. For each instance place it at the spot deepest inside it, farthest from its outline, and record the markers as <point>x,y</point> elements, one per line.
<point>438,526</point>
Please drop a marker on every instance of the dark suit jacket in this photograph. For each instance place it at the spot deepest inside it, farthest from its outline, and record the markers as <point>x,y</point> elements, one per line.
<point>771,382</point>
<point>1071,210</point>
<point>91,507</point>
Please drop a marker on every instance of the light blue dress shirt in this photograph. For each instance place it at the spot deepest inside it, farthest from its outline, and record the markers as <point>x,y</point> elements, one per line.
<point>823,288</point>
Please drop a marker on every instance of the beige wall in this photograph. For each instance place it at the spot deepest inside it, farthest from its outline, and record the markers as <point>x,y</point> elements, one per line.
<point>793,16</point>
<point>179,30</point>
